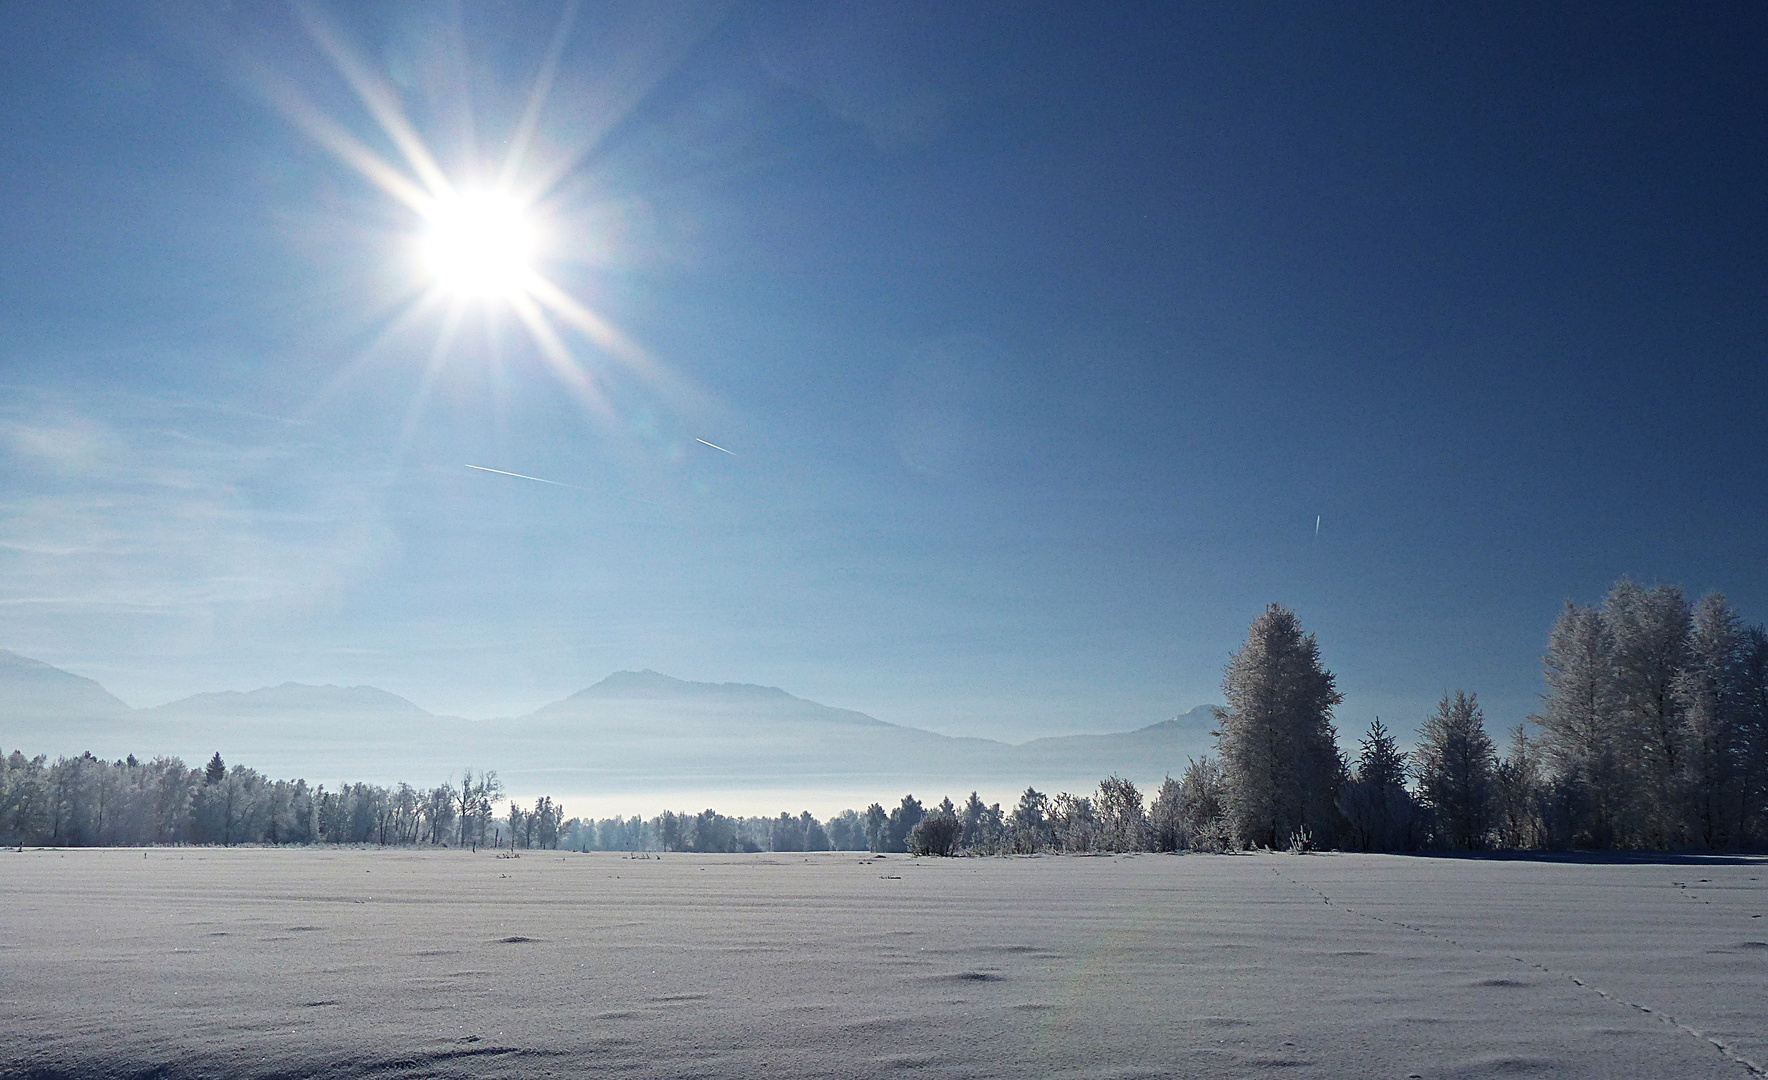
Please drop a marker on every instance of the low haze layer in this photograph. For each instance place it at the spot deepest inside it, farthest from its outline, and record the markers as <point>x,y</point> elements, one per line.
<point>634,742</point>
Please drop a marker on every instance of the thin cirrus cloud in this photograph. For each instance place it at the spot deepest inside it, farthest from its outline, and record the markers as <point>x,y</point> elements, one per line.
<point>129,514</point>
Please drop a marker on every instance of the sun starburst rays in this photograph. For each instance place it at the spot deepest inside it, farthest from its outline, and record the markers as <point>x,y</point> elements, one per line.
<point>474,249</point>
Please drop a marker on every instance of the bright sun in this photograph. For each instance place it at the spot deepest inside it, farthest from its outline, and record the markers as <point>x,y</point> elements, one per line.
<point>479,245</point>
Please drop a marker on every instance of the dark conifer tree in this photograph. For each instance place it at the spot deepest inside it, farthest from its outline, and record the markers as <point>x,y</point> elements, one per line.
<point>1455,761</point>
<point>1379,812</point>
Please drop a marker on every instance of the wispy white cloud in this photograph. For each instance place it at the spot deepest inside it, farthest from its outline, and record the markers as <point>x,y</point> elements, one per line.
<point>115,507</point>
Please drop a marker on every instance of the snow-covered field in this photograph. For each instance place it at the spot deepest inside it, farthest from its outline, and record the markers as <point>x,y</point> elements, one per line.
<point>288,963</point>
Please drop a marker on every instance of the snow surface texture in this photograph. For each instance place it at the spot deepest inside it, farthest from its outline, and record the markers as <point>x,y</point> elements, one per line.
<point>286,963</point>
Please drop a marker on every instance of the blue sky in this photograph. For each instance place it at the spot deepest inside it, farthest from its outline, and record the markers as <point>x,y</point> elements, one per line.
<point>1040,336</point>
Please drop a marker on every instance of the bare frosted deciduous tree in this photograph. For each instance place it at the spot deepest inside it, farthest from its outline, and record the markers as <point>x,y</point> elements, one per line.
<point>1455,761</point>
<point>1123,822</point>
<point>439,812</point>
<point>1166,822</point>
<point>668,831</point>
<point>1203,805</point>
<point>1073,822</point>
<point>786,833</point>
<point>1519,790</point>
<point>847,832</point>
<point>1651,628</point>
<point>474,798</point>
<point>1708,690</point>
<point>1651,733</point>
<point>87,801</point>
<point>1752,734</point>
<point>936,833</point>
<point>1278,750</point>
<point>1580,727</point>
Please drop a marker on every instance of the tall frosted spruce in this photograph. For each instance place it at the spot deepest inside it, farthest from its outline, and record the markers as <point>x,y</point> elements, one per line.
<point>1456,763</point>
<point>1277,746</point>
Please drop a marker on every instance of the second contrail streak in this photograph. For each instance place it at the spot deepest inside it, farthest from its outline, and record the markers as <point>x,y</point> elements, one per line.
<point>715,446</point>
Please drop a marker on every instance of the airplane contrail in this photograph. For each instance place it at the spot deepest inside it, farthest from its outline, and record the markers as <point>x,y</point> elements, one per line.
<point>568,487</point>
<point>519,476</point>
<point>1316,526</point>
<point>715,446</point>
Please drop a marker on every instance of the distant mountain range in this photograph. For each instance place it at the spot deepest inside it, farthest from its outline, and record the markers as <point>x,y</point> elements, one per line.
<point>632,735</point>
<point>30,688</point>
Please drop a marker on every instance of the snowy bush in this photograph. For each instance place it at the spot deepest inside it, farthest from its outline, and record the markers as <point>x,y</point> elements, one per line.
<point>935,834</point>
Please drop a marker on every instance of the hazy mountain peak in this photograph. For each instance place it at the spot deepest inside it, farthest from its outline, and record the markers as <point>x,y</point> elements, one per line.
<point>293,695</point>
<point>28,685</point>
<point>654,684</point>
<point>11,661</point>
<point>1200,718</point>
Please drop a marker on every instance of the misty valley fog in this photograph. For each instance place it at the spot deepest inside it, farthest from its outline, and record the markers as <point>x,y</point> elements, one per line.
<point>1653,734</point>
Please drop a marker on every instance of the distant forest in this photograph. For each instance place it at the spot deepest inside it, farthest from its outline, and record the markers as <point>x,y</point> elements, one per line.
<point>1653,733</point>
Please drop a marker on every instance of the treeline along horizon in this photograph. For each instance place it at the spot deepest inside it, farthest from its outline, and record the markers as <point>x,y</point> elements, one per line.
<point>1653,733</point>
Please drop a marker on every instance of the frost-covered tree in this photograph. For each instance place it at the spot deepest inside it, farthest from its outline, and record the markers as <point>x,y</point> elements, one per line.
<point>1651,628</point>
<point>1455,762</point>
<point>816,838</point>
<point>1379,812</point>
<point>847,832</point>
<point>668,829</point>
<point>1708,692</point>
<point>936,833</point>
<point>474,797</point>
<point>1123,823</point>
<point>86,801</point>
<point>1166,822</point>
<point>1579,721</point>
<point>1278,750</point>
<point>973,813</point>
<point>1752,737</point>
<point>439,813</point>
<point>710,831</point>
<point>1029,823</point>
<point>543,824</point>
<point>1203,804</point>
<point>786,833</point>
<point>903,818</point>
<point>984,826</point>
<point>1073,823</point>
<point>1518,793</point>
<point>877,827</point>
